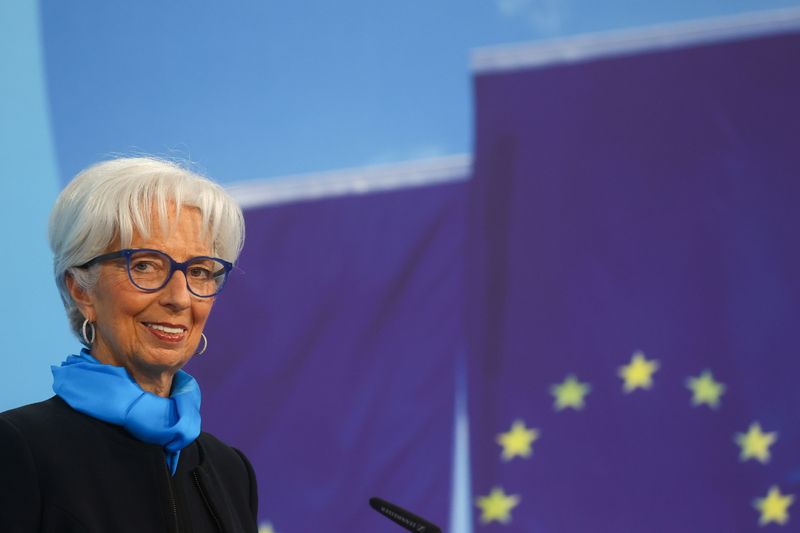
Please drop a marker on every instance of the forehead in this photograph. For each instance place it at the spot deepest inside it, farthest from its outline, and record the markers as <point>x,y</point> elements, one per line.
<point>180,233</point>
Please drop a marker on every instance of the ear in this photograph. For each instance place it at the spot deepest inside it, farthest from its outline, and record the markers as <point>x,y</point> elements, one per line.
<point>81,297</point>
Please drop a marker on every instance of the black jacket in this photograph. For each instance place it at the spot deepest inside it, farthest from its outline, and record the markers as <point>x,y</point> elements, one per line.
<point>66,472</point>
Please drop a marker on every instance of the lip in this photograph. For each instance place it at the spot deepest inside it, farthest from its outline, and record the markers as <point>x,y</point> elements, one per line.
<point>163,335</point>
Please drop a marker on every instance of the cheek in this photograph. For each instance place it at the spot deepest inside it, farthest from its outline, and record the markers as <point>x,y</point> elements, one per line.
<point>115,301</point>
<point>201,311</point>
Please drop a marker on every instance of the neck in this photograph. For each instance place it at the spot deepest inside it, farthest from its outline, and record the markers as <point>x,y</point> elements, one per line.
<point>160,385</point>
<point>154,380</point>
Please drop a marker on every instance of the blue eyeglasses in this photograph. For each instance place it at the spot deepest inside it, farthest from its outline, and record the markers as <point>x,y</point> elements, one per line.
<point>150,270</point>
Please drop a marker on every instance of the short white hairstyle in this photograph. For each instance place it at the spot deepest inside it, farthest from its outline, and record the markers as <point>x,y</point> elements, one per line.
<point>111,200</point>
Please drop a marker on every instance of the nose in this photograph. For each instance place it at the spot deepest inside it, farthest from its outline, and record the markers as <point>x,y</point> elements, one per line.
<point>175,294</point>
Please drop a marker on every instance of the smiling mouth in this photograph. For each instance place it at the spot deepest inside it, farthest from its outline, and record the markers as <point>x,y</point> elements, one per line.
<point>165,332</point>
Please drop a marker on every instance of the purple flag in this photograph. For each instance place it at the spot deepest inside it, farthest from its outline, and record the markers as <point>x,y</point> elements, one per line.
<point>330,359</point>
<point>636,274</point>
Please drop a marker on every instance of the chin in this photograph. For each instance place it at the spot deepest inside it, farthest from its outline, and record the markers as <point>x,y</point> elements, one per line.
<point>161,359</point>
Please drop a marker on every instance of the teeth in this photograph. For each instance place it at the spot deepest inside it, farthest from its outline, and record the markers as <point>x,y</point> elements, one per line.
<point>166,329</point>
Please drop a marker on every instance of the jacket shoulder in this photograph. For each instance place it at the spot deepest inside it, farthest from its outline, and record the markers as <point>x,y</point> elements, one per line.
<point>224,457</point>
<point>20,492</point>
<point>40,417</point>
<point>212,444</point>
<point>232,468</point>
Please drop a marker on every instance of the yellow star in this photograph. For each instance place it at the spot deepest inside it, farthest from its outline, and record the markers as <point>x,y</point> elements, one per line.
<point>705,390</point>
<point>497,506</point>
<point>517,441</point>
<point>774,507</point>
<point>755,443</point>
<point>638,374</point>
<point>266,527</point>
<point>570,393</point>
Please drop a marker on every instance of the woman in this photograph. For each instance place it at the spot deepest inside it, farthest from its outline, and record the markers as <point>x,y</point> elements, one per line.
<point>141,248</point>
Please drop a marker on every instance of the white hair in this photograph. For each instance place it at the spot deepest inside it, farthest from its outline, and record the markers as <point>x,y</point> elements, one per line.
<point>109,201</point>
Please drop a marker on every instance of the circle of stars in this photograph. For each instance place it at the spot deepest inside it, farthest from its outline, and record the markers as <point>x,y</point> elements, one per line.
<point>638,373</point>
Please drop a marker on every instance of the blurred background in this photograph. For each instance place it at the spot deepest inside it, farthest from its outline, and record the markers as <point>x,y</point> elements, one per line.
<point>518,265</point>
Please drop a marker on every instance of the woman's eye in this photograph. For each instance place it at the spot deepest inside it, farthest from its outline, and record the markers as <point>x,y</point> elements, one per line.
<point>143,266</point>
<point>199,272</point>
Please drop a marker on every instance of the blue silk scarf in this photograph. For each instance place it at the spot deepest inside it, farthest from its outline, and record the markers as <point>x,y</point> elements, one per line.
<point>110,394</point>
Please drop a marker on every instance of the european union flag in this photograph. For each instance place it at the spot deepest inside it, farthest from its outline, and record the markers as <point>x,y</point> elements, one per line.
<point>636,272</point>
<point>330,359</point>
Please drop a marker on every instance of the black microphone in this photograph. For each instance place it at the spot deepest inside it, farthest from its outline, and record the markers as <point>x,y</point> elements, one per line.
<point>400,516</point>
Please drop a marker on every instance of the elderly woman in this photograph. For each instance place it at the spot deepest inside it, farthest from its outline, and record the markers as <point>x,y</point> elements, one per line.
<point>142,248</point>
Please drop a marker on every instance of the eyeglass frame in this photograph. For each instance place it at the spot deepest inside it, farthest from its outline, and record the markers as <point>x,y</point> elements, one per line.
<point>174,266</point>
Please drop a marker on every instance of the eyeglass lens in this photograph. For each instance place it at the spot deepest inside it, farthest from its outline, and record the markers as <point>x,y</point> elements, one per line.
<point>150,270</point>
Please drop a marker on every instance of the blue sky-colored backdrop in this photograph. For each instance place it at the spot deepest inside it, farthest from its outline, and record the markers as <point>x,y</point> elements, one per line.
<point>259,89</point>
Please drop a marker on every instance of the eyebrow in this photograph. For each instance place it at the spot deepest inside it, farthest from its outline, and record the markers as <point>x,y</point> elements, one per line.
<point>162,250</point>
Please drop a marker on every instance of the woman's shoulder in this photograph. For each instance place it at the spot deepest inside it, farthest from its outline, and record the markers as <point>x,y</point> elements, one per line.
<point>231,466</point>
<point>214,449</point>
<point>21,430</point>
<point>54,429</point>
<point>27,430</point>
<point>37,417</point>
